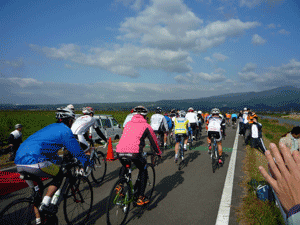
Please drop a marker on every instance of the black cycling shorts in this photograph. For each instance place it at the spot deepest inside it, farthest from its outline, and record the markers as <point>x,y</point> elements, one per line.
<point>217,135</point>
<point>178,137</point>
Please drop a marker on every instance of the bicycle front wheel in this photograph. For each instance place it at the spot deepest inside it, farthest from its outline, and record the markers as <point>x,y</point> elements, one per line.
<point>150,183</point>
<point>20,211</point>
<point>118,204</point>
<point>78,201</point>
<point>100,166</point>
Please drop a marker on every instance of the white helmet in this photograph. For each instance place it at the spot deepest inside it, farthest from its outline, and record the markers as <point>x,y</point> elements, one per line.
<point>64,113</point>
<point>71,107</point>
<point>140,110</point>
<point>199,112</point>
<point>182,113</point>
<point>190,109</point>
<point>18,126</point>
<point>215,111</point>
<point>87,110</point>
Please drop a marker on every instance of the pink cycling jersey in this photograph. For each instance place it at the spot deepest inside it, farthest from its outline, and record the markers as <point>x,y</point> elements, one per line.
<point>134,135</point>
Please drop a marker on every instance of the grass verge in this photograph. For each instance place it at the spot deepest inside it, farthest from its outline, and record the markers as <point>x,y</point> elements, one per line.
<point>252,210</point>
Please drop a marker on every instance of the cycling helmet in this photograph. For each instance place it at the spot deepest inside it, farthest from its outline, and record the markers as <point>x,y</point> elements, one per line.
<point>87,110</point>
<point>140,110</point>
<point>131,111</point>
<point>190,109</point>
<point>182,113</point>
<point>199,112</point>
<point>18,126</point>
<point>64,113</point>
<point>158,110</point>
<point>215,111</point>
<point>71,107</point>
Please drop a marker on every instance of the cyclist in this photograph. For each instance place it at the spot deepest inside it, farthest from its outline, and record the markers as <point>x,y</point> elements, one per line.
<point>128,118</point>
<point>191,116</point>
<point>159,124</point>
<point>182,126</point>
<point>14,140</point>
<point>38,154</point>
<point>223,124</point>
<point>133,142</point>
<point>200,120</point>
<point>228,117</point>
<point>71,107</point>
<point>214,128</point>
<point>233,118</point>
<point>170,126</point>
<point>81,127</point>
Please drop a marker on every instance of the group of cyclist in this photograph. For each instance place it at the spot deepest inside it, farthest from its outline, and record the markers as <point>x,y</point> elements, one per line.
<point>38,153</point>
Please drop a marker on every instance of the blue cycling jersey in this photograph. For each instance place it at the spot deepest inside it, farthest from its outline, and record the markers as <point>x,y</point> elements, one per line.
<point>45,143</point>
<point>233,116</point>
<point>169,122</point>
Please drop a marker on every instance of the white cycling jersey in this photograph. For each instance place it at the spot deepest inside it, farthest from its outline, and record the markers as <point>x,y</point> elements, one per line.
<point>158,121</point>
<point>192,117</point>
<point>214,124</point>
<point>82,124</point>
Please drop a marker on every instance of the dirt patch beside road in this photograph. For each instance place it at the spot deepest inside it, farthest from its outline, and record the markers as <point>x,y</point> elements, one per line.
<point>294,117</point>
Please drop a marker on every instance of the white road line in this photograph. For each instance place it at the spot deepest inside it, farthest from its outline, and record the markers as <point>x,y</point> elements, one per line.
<point>224,209</point>
<point>9,168</point>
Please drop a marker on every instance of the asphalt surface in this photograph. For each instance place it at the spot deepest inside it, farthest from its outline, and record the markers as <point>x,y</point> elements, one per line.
<point>189,196</point>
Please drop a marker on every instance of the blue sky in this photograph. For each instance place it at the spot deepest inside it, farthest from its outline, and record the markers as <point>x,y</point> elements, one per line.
<point>145,50</point>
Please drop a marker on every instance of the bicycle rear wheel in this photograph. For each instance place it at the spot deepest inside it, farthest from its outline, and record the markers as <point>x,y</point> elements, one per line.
<point>214,157</point>
<point>150,183</point>
<point>20,211</point>
<point>78,201</point>
<point>100,167</point>
<point>118,204</point>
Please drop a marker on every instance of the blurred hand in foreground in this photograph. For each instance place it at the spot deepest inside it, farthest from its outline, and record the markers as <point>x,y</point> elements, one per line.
<point>286,175</point>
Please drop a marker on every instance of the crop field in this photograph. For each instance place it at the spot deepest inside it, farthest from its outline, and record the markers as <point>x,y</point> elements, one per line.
<point>33,121</point>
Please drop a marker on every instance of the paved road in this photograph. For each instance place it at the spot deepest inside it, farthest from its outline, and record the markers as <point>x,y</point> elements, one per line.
<point>189,196</point>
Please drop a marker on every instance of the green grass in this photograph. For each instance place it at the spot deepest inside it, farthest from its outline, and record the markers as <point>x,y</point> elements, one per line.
<point>252,210</point>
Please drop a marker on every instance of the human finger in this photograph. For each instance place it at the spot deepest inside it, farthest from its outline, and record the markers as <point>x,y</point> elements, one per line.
<point>296,157</point>
<point>279,161</point>
<point>288,159</point>
<point>272,165</point>
<point>268,178</point>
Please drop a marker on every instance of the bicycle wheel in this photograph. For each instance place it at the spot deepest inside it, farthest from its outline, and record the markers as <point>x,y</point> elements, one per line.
<point>181,164</point>
<point>78,201</point>
<point>20,211</point>
<point>118,204</point>
<point>100,166</point>
<point>150,183</point>
<point>213,156</point>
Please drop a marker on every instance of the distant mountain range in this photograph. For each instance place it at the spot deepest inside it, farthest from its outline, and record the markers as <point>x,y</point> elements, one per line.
<point>279,99</point>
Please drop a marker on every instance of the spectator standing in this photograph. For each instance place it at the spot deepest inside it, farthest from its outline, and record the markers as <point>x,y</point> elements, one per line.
<point>250,117</point>
<point>292,139</point>
<point>14,140</point>
<point>256,135</point>
<point>241,123</point>
<point>245,120</point>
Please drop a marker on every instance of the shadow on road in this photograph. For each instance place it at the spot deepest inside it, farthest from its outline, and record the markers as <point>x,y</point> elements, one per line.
<point>162,189</point>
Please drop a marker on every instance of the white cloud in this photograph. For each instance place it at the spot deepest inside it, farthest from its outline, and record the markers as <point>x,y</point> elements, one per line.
<point>220,57</point>
<point>284,32</point>
<point>208,59</point>
<point>272,26</point>
<point>287,74</point>
<point>258,40</point>
<point>249,67</point>
<point>125,60</point>
<point>196,78</point>
<point>171,25</point>
<point>12,63</point>
<point>249,3</point>
<point>36,92</point>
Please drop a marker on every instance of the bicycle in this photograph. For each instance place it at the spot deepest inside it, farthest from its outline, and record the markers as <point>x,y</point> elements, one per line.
<point>181,149</point>
<point>215,154</point>
<point>99,167</point>
<point>171,137</point>
<point>118,204</point>
<point>190,141</point>
<point>233,124</point>
<point>76,191</point>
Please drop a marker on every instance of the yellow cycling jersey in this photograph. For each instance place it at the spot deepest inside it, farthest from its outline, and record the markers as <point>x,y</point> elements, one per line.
<point>181,125</point>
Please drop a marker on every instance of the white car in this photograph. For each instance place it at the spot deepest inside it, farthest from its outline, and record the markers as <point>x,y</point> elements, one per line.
<point>108,125</point>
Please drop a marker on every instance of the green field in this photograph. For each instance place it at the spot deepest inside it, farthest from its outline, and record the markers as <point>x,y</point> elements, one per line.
<point>36,120</point>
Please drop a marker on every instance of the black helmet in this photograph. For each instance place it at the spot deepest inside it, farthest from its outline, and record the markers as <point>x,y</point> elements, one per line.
<point>64,113</point>
<point>158,110</point>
